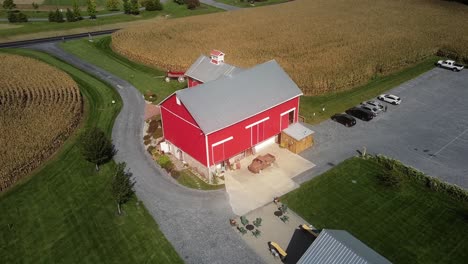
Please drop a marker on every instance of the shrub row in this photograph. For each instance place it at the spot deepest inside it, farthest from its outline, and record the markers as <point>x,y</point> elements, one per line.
<point>17,17</point>
<point>417,176</point>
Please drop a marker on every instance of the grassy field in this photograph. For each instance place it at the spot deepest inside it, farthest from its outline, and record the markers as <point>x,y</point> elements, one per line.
<point>45,14</point>
<point>188,179</point>
<point>40,106</point>
<point>142,77</point>
<point>326,46</point>
<point>246,3</point>
<point>64,213</point>
<point>409,225</point>
<point>339,102</point>
<point>170,8</point>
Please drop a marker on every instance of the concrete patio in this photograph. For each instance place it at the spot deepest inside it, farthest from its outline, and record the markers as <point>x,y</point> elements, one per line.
<point>248,191</point>
<point>288,235</point>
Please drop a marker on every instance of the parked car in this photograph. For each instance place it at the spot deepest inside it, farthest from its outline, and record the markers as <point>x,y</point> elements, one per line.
<point>390,98</point>
<point>360,113</point>
<point>373,103</point>
<point>344,119</point>
<point>450,64</point>
<point>369,108</point>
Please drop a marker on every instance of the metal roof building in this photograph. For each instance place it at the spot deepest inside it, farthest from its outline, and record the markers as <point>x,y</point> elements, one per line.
<point>204,70</point>
<point>340,247</point>
<point>217,104</point>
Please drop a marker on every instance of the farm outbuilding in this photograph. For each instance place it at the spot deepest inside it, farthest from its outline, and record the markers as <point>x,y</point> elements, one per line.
<point>214,125</point>
<point>296,138</point>
<point>206,69</point>
<point>340,247</point>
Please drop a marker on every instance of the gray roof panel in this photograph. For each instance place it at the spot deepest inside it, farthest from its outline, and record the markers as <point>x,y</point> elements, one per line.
<point>217,104</point>
<point>298,131</point>
<point>203,70</point>
<point>340,247</point>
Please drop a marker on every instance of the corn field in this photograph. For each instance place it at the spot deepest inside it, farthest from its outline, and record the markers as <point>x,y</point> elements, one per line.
<point>39,108</point>
<point>324,45</point>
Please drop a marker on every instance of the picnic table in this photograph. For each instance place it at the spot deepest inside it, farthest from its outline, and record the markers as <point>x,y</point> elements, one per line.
<point>278,249</point>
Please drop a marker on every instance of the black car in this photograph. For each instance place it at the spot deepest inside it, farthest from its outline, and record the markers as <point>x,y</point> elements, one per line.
<point>344,119</point>
<point>360,113</point>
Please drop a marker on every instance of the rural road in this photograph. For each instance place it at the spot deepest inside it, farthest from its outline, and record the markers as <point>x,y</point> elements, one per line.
<point>195,222</point>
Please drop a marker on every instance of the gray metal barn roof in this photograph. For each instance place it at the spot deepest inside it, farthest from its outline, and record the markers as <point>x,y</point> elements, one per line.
<point>217,104</point>
<point>339,247</point>
<point>203,70</point>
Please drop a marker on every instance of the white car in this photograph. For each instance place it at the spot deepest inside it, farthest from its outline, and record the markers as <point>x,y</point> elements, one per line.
<point>390,98</point>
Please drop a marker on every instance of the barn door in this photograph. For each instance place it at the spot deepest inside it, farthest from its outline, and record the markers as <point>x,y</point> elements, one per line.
<point>287,118</point>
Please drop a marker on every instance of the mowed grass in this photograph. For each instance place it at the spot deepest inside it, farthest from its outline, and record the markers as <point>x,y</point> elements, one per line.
<point>246,3</point>
<point>64,212</point>
<point>188,179</point>
<point>171,9</point>
<point>339,102</point>
<point>142,77</point>
<point>410,225</point>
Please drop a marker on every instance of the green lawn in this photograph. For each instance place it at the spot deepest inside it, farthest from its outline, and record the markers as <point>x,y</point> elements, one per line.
<point>142,77</point>
<point>246,3</point>
<point>170,8</point>
<point>188,179</point>
<point>64,212</point>
<point>339,102</point>
<point>45,14</point>
<point>410,225</point>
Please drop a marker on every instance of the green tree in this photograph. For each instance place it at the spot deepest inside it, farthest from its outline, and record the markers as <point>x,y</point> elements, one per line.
<point>153,5</point>
<point>122,185</point>
<point>91,8</point>
<point>35,6</point>
<point>112,5</point>
<point>126,7</point>
<point>96,147</point>
<point>51,16</point>
<point>76,11</point>
<point>69,15</point>
<point>9,4</point>
<point>58,16</point>
<point>192,4</point>
<point>134,7</point>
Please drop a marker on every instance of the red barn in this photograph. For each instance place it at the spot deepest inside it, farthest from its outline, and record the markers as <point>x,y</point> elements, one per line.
<point>206,69</point>
<point>213,124</point>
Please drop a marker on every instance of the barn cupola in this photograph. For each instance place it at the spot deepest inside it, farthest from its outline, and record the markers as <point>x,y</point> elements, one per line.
<point>217,57</point>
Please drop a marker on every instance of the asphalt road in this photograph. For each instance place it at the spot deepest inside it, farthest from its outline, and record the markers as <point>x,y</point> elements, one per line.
<point>195,222</point>
<point>428,131</point>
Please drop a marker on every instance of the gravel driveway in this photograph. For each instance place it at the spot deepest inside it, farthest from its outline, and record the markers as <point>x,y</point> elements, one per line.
<point>428,131</point>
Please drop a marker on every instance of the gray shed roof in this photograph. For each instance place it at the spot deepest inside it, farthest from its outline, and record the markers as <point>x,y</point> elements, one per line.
<point>203,70</point>
<point>217,104</point>
<point>339,247</point>
<point>298,131</point>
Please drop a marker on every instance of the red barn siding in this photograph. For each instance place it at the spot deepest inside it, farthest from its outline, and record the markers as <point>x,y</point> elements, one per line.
<point>246,138</point>
<point>192,82</point>
<point>181,130</point>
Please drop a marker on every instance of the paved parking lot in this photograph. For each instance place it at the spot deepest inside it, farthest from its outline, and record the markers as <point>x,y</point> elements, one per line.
<point>428,131</point>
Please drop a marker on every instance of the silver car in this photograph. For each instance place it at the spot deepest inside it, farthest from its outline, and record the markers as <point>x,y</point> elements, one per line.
<point>372,109</point>
<point>374,104</point>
